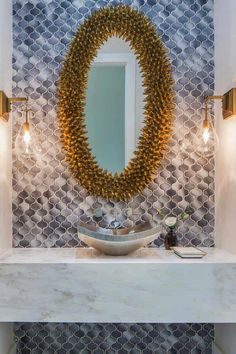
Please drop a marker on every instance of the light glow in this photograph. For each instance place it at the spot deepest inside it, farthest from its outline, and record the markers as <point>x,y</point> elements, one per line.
<point>206,135</point>
<point>27,137</point>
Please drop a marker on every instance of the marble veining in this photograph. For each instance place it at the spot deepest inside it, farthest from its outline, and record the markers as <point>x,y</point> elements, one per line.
<point>80,286</point>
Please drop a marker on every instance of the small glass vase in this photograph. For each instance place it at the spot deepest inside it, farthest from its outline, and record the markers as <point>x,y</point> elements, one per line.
<point>171,239</point>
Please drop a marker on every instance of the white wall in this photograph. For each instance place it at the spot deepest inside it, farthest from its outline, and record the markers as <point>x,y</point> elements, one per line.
<point>225,75</point>
<point>5,128</point>
<point>5,152</point>
<point>225,79</point>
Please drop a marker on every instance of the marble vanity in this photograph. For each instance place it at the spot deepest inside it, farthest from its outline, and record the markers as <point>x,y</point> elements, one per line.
<point>151,285</point>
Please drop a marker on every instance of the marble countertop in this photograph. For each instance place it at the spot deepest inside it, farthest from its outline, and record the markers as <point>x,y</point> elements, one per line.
<point>89,255</point>
<point>150,285</point>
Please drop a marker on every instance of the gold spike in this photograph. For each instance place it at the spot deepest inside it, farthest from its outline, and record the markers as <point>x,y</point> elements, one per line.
<point>131,25</point>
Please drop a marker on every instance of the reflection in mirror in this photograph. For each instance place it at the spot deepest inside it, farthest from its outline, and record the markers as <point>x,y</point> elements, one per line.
<point>105,115</point>
<point>114,105</point>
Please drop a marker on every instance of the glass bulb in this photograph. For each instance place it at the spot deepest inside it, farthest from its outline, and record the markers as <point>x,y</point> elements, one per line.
<point>186,145</point>
<point>206,141</point>
<point>26,143</point>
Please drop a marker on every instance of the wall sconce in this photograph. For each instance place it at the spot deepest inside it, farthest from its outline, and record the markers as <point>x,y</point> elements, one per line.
<point>229,104</point>
<point>205,142</point>
<point>5,104</point>
<point>26,143</point>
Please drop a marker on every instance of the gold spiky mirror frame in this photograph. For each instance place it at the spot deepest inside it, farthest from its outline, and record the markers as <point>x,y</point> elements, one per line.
<point>135,28</point>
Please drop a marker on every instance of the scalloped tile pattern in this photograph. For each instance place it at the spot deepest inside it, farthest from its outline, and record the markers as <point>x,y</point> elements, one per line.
<point>110,338</point>
<point>48,203</point>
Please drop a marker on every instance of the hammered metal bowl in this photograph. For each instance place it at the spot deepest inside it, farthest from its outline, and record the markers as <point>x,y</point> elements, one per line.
<point>120,241</point>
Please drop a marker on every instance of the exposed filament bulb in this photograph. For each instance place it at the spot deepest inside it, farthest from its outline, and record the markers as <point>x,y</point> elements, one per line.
<point>206,131</point>
<point>26,143</point>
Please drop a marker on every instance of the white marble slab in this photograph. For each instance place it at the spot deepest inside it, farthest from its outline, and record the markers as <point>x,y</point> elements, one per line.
<point>79,285</point>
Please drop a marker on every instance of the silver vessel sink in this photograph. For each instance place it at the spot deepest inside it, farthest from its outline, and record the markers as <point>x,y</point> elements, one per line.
<point>120,241</point>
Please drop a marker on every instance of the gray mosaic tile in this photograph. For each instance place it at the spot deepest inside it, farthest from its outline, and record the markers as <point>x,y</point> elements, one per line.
<point>64,338</point>
<point>48,203</point>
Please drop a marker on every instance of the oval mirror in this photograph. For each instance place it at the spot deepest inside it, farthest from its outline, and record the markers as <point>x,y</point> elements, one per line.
<point>114,105</point>
<point>116,79</point>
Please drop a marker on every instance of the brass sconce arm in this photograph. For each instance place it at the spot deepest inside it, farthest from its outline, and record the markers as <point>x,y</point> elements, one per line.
<point>209,98</point>
<point>6,102</point>
<point>228,103</point>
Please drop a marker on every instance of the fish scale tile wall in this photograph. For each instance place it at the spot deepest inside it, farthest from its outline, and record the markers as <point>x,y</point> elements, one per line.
<point>120,338</point>
<point>48,203</point>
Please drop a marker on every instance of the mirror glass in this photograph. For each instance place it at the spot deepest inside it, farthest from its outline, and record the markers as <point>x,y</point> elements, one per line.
<point>114,105</point>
